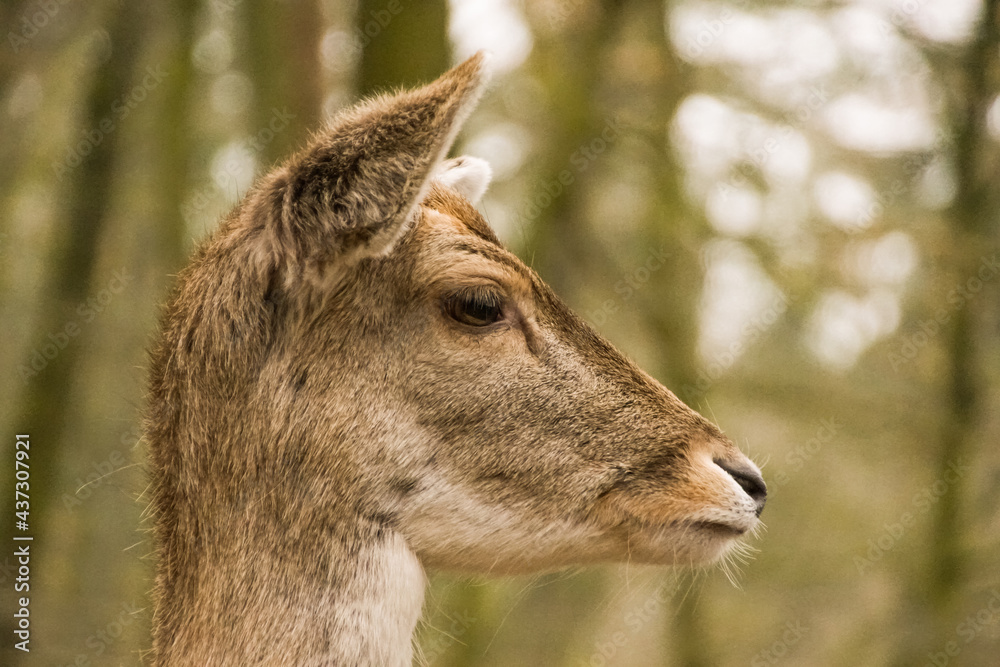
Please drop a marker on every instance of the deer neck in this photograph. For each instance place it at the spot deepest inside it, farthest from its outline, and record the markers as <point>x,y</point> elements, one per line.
<point>334,598</point>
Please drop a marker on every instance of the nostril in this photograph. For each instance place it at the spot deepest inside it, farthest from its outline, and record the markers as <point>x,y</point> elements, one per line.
<point>750,481</point>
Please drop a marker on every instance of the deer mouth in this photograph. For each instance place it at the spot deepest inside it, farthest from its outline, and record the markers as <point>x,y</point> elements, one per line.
<point>720,529</point>
<point>662,526</point>
<point>618,506</point>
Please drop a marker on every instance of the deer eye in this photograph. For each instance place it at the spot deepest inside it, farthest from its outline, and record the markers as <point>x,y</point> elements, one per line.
<point>475,307</point>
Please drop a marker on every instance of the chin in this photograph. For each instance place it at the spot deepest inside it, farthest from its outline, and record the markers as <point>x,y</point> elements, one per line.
<point>695,543</point>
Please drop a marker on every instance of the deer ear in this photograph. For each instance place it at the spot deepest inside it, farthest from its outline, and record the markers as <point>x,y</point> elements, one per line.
<point>354,190</point>
<point>469,176</point>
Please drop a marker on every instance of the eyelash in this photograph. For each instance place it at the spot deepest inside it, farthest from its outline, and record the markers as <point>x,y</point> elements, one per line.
<point>475,306</point>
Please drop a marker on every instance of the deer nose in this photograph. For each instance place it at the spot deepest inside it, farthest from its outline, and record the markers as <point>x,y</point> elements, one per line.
<point>749,480</point>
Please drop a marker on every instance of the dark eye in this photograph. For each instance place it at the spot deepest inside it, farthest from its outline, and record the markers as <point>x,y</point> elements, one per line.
<point>476,307</point>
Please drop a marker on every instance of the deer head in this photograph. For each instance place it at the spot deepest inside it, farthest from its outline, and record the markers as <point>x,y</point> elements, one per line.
<point>356,380</point>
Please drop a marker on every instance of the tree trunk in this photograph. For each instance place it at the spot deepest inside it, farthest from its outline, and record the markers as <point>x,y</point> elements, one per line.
<point>404,43</point>
<point>975,81</point>
<point>42,409</point>
<point>282,55</point>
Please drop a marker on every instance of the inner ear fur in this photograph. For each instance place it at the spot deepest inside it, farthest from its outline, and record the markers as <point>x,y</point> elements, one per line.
<point>354,190</point>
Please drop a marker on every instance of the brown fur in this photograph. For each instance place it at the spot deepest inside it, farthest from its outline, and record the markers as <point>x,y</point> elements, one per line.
<point>322,428</point>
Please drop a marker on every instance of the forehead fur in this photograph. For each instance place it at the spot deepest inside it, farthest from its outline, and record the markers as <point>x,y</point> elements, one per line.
<point>457,208</point>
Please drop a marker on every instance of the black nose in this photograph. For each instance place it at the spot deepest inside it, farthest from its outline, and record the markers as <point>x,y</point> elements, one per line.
<point>749,480</point>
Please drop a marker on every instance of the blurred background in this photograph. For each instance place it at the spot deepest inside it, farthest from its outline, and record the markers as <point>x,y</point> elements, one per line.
<point>786,211</point>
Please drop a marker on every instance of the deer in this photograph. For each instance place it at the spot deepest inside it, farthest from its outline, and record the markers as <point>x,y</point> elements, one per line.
<point>355,383</point>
